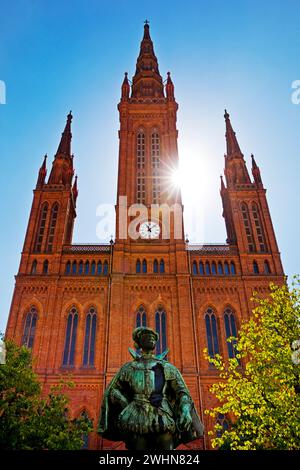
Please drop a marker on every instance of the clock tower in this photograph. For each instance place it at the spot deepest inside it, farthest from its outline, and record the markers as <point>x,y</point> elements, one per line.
<point>148,204</point>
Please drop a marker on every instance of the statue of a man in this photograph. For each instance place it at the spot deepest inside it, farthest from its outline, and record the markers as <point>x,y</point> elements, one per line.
<point>147,403</point>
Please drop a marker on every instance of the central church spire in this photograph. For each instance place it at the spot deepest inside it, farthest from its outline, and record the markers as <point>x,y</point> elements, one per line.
<point>62,166</point>
<point>147,83</point>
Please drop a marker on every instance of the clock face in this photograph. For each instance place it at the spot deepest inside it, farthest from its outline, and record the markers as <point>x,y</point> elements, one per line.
<point>149,230</point>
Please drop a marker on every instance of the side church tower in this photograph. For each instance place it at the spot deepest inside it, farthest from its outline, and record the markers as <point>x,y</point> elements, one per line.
<point>53,210</point>
<point>246,212</point>
<point>76,305</point>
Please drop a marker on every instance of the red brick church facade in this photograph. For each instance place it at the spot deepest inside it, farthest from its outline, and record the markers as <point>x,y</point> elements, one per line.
<point>77,305</point>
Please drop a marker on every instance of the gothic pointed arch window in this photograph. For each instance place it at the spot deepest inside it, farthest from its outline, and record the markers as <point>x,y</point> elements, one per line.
<point>80,267</point>
<point>226,268</point>
<point>41,228</point>
<point>211,332</point>
<point>267,268</point>
<point>99,267</point>
<point>93,267</point>
<point>52,225</point>
<point>259,228</point>
<point>220,268</point>
<point>33,267</point>
<point>161,329</point>
<point>213,268</point>
<point>140,164</point>
<point>68,267</point>
<point>155,266</point>
<point>70,339</point>
<point>87,268</point>
<point>85,437</point>
<point>248,228</point>
<point>144,266</point>
<point>45,266</point>
<point>141,317</point>
<point>105,268</point>
<point>230,330</point>
<point>74,267</point>
<point>30,327</point>
<point>255,267</point>
<point>223,422</point>
<point>138,266</point>
<point>195,267</point>
<point>207,268</point>
<point>155,162</point>
<point>232,268</point>
<point>90,338</point>
<point>201,268</point>
<point>161,266</point>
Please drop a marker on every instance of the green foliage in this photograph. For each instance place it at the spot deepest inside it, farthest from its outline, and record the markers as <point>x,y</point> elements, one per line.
<point>28,420</point>
<point>262,399</point>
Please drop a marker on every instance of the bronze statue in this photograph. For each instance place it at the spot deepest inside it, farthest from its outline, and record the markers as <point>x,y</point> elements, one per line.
<point>147,404</point>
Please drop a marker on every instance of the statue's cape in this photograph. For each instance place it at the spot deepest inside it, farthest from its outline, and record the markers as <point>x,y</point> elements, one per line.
<point>108,422</point>
<point>109,414</point>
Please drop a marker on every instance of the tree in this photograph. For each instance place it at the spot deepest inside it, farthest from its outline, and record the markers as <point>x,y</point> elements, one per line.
<point>29,421</point>
<point>262,399</point>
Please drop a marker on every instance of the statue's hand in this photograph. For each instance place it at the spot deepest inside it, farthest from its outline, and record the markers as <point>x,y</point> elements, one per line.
<point>185,419</point>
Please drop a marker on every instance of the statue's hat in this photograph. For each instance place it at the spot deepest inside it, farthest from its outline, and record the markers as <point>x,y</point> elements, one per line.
<point>140,330</point>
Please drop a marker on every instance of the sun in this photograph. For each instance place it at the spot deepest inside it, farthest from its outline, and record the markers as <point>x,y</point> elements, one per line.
<point>176,178</point>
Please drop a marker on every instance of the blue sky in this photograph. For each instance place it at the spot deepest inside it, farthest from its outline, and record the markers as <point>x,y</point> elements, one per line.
<point>62,55</point>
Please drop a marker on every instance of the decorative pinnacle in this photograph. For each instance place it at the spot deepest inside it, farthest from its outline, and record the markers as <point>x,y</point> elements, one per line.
<point>254,164</point>
<point>222,183</point>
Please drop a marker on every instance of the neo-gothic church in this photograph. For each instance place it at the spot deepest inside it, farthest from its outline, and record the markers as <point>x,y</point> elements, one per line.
<point>76,305</point>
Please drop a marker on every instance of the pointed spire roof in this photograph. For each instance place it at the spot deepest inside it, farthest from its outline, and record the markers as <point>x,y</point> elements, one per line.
<point>254,165</point>
<point>233,148</point>
<point>125,88</point>
<point>222,184</point>
<point>44,164</point>
<point>62,166</point>
<point>125,81</point>
<point>256,172</point>
<point>170,88</point>
<point>236,172</point>
<point>42,173</point>
<point>64,147</point>
<point>146,49</point>
<point>147,82</point>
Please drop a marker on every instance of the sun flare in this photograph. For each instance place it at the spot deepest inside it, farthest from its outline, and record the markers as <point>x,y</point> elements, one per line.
<point>176,178</point>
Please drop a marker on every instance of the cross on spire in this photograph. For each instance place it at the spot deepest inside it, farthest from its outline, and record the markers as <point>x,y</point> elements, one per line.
<point>146,22</point>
